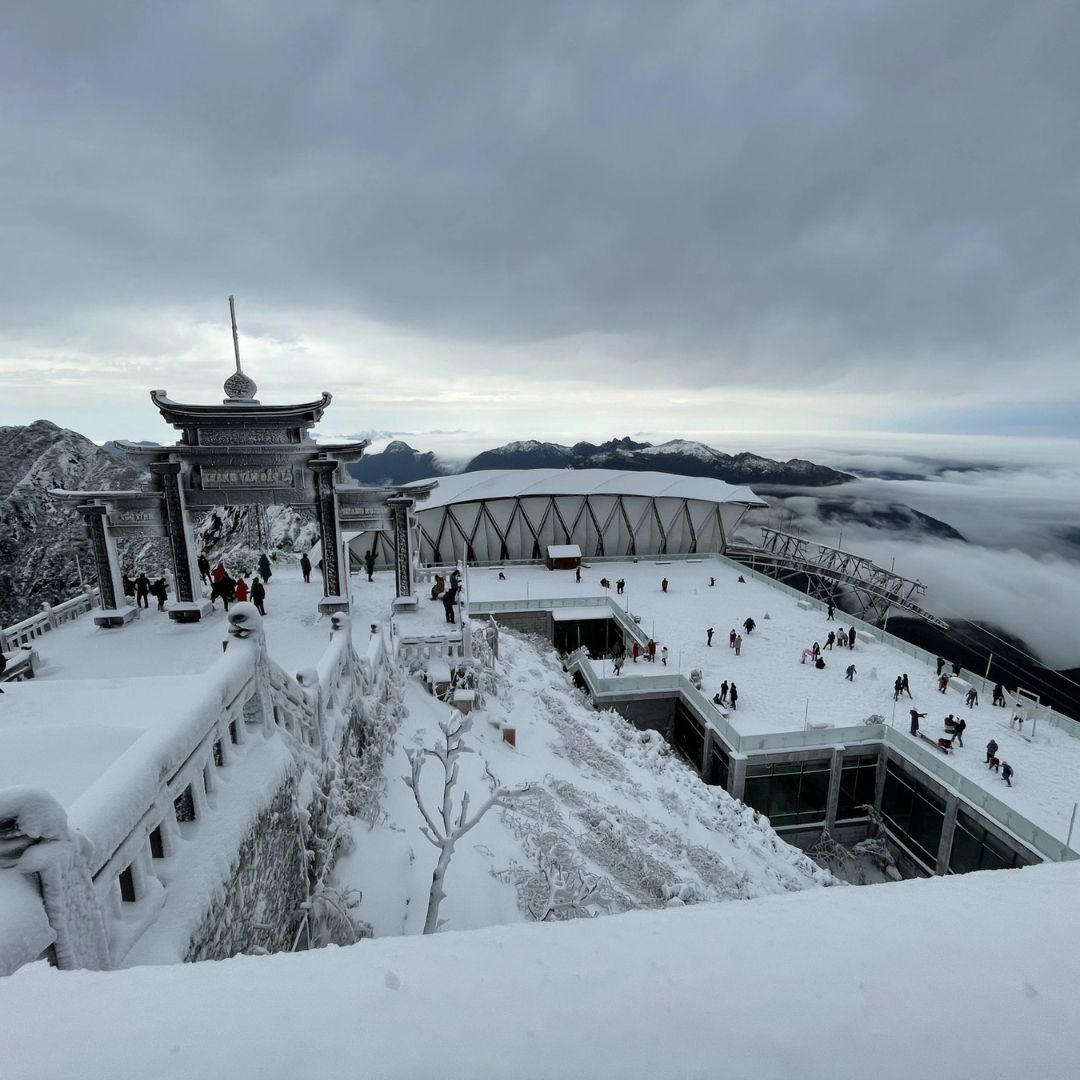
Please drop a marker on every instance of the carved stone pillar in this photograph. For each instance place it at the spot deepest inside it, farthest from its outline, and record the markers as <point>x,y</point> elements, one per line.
<point>115,610</point>
<point>190,605</point>
<point>335,594</point>
<point>400,507</point>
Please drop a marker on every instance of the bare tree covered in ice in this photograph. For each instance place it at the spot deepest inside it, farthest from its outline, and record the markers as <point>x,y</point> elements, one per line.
<point>446,828</point>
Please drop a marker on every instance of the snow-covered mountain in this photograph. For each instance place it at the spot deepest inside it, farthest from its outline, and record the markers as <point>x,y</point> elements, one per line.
<point>681,456</point>
<point>39,538</point>
<point>399,463</point>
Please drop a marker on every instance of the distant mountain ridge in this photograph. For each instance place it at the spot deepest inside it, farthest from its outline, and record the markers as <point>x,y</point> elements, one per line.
<point>399,463</point>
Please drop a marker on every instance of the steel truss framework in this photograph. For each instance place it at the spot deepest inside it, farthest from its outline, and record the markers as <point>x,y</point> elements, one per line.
<point>611,524</point>
<point>829,571</point>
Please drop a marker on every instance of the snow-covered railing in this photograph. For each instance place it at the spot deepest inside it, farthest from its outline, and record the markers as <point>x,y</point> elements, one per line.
<point>49,618</point>
<point>446,647</point>
<point>1041,841</point>
<point>983,685</point>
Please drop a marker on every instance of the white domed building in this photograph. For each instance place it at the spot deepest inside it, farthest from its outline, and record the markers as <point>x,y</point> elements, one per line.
<point>505,515</point>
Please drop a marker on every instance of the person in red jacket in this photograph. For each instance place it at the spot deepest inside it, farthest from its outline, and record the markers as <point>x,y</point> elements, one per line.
<point>652,651</point>
<point>218,572</point>
<point>241,589</point>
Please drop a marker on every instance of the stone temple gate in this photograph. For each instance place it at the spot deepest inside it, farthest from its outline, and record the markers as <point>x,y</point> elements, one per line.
<point>241,453</point>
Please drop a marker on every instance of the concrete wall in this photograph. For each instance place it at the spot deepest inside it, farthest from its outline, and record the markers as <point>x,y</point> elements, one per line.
<point>652,714</point>
<point>259,908</point>
<point>537,623</point>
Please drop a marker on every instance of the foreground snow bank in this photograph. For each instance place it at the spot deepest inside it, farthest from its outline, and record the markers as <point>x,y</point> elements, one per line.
<point>819,983</point>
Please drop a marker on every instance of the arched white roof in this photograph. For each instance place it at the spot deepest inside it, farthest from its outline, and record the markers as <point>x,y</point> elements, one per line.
<point>513,483</point>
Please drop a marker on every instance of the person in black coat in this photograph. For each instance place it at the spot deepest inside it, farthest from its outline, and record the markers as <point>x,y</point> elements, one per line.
<point>258,596</point>
<point>915,718</point>
<point>204,569</point>
<point>733,696</point>
<point>161,592</point>
<point>991,750</point>
<point>305,566</point>
<point>142,591</point>
<point>448,600</point>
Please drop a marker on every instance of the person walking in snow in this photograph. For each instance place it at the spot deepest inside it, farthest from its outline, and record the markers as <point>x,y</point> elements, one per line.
<point>841,638</point>
<point>972,698</point>
<point>635,652</point>
<point>959,726</point>
<point>898,688</point>
<point>991,750</point>
<point>915,718</point>
<point>651,650</point>
<point>241,589</point>
<point>620,586</point>
<point>1007,773</point>
<point>733,696</point>
<point>816,650</point>
<point>204,568</point>
<point>663,585</point>
<point>940,664</point>
<point>708,637</point>
<point>663,656</point>
<point>731,639</point>
<point>577,574</point>
<point>943,683</point>
<point>305,566</point>
<point>830,640</point>
<point>723,692</point>
<point>258,596</point>
<point>369,564</point>
<point>748,625</point>
<point>448,601</point>
<point>219,571</point>
<point>850,673</point>
<point>999,695</point>
<point>617,662</point>
<point>957,667</point>
<point>832,611</point>
<point>142,590</point>
<point>712,582</point>
<point>904,687</point>
<point>851,638</point>
<point>222,589</point>
<point>160,592</point>
<point>738,644</point>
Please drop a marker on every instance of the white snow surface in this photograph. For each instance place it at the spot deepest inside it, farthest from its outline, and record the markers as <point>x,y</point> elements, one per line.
<point>778,693</point>
<point>603,797</point>
<point>523,483</point>
<point>949,978</point>
<point>98,691</point>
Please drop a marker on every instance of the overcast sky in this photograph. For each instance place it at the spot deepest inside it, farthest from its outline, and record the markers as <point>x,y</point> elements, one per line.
<point>578,219</point>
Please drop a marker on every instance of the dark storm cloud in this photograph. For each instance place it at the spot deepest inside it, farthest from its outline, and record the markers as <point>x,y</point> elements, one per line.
<point>850,191</point>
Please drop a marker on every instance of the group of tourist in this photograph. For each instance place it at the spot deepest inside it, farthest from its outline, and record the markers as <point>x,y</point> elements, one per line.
<point>646,653</point>
<point>141,588</point>
<point>229,589</point>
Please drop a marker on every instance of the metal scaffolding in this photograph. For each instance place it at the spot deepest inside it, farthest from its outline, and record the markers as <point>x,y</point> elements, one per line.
<point>831,573</point>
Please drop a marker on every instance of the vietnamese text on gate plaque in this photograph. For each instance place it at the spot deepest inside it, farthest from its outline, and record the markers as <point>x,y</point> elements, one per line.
<point>255,477</point>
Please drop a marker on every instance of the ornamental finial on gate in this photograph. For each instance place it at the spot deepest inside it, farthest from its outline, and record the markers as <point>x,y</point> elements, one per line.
<point>238,386</point>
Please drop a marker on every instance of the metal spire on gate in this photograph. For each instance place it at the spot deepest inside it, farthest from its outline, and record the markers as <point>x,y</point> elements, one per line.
<point>239,387</point>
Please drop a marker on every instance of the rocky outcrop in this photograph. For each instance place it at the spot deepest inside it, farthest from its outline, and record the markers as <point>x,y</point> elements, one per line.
<point>38,538</point>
